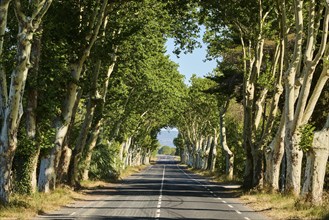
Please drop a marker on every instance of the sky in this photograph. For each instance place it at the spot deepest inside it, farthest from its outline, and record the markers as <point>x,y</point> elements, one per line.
<point>166,137</point>
<point>191,63</point>
<point>188,64</point>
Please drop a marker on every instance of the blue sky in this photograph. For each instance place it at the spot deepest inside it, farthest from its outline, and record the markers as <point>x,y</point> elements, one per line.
<point>191,63</point>
<point>188,64</point>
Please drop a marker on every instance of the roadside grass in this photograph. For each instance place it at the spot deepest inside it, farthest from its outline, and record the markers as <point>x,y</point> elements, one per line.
<point>280,206</point>
<point>215,177</point>
<point>25,207</point>
<point>28,206</point>
<point>132,170</point>
<point>94,184</point>
<point>274,205</point>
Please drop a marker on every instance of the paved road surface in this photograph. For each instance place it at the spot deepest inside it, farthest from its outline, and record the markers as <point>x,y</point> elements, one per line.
<point>164,191</point>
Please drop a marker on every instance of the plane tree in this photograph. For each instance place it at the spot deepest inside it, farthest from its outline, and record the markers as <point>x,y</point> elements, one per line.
<point>197,123</point>
<point>29,16</point>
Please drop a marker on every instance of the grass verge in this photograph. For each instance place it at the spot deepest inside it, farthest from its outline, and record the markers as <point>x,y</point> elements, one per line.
<point>280,206</point>
<point>25,207</point>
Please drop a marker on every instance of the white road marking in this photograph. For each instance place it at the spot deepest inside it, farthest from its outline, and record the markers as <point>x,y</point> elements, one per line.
<point>158,211</point>
<point>206,187</point>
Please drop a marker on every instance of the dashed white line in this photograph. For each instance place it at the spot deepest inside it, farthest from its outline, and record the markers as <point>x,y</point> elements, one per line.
<point>158,211</point>
<point>237,211</point>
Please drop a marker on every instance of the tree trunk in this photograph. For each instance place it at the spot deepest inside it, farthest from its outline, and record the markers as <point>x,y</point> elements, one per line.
<point>76,72</point>
<point>31,114</point>
<point>293,154</point>
<point>63,169</point>
<point>3,81</point>
<point>89,150</point>
<point>13,113</point>
<point>210,153</point>
<point>214,153</point>
<point>317,157</point>
<point>294,158</point>
<point>97,123</point>
<point>14,109</point>
<point>273,156</point>
<point>82,138</point>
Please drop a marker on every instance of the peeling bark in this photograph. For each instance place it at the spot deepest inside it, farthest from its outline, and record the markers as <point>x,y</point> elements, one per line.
<point>14,109</point>
<point>299,110</point>
<point>273,155</point>
<point>317,157</point>
<point>3,81</point>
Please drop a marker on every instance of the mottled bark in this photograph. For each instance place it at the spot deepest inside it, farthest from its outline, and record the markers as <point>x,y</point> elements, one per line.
<point>31,111</point>
<point>273,156</point>
<point>76,71</point>
<point>14,110</point>
<point>293,154</point>
<point>317,157</point>
<point>63,169</point>
<point>3,81</point>
<point>298,113</point>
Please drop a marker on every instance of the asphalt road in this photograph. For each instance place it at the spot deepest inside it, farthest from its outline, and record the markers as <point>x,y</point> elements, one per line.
<point>164,191</point>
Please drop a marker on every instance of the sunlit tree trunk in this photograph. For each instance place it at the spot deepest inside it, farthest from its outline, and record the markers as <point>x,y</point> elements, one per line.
<point>317,157</point>
<point>26,179</point>
<point>275,151</point>
<point>293,153</point>
<point>300,102</point>
<point>273,155</point>
<point>229,156</point>
<point>13,111</point>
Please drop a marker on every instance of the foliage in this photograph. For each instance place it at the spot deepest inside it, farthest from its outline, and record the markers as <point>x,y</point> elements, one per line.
<point>307,134</point>
<point>167,150</point>
<point>104,164</point>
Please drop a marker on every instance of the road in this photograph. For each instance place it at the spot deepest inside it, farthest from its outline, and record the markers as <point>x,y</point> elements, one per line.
<point>163,191</point>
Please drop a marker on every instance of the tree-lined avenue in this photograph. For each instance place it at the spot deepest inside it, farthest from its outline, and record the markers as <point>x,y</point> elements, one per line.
<point>184,195</point>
